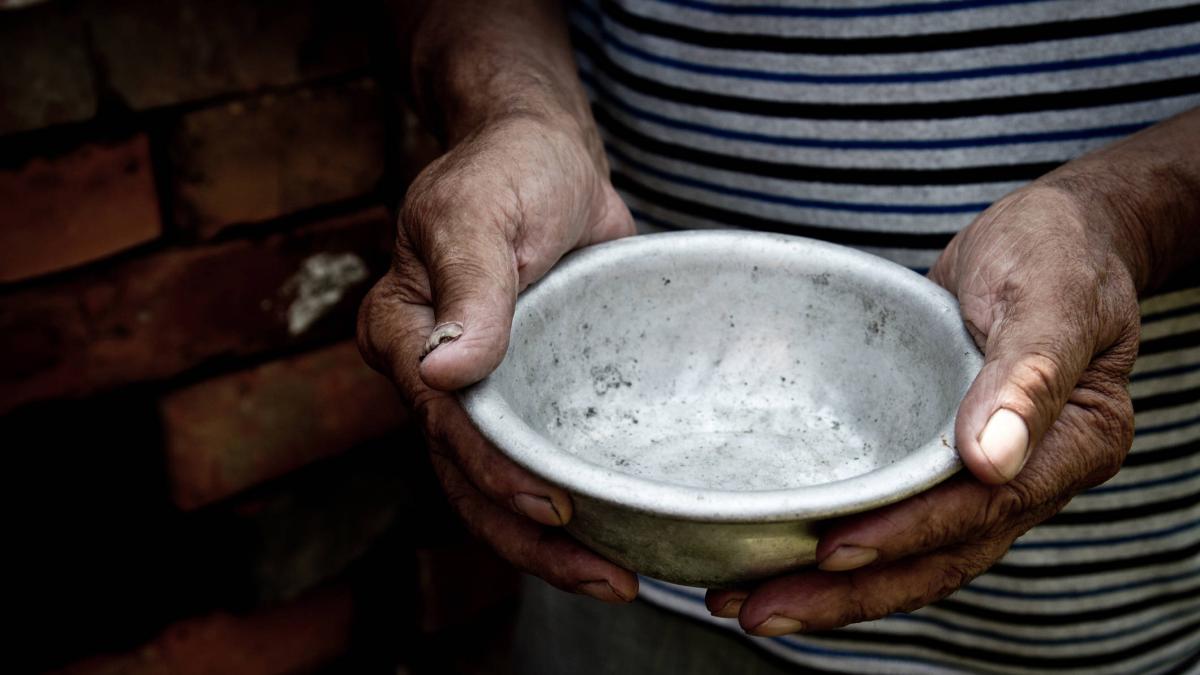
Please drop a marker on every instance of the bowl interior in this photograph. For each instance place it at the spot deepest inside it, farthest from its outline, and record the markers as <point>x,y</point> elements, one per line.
<point>733,363</point>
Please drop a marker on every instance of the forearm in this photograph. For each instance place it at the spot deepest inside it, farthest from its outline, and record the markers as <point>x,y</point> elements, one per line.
<point>470,62</point>
<point>1148,187</point>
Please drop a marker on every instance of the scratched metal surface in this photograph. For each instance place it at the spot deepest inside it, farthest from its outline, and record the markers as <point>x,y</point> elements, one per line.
<point>706,396</point>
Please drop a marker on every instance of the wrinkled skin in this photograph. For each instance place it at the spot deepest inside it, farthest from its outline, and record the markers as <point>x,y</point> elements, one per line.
<point>1055,311</point>
<point>480,223</point>
<point>1045,295</point>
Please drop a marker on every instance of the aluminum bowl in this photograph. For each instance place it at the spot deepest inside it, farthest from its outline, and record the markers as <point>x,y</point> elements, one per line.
<point>708,397</point>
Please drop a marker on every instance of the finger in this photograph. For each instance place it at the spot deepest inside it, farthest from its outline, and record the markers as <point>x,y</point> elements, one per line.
<point>725,602</point>
<point>817,600</point>
<point>393,323</point>
<point>1082,449</point>
<point>1034,355</point>
<point>947,514</point>
<point>493,474</point>
<point>548,554</point>
<point>943,516</point>
<point>468,252</point>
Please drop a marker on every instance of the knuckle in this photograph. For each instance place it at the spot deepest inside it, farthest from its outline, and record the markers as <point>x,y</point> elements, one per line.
<point>937,532</point>
<point>1114,455</point>
<point>1039,378</point>
<point>855,605</point>
<point>857,610</point>
<point>1118,420</point>
<point>423,215</point>
<point>485,474</point>
<point>1099,432</point>
<point>1118,360</point>
<point>1005,505</point>
<point>937,527</point>
<point>942,583</point>
<point>425,406</point>
<point>1113,428</point>
<point>861,602</point>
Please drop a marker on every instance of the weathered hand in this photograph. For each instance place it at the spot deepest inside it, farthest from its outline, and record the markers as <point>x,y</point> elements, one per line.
<point>480,223</point>
<point>1049,297</point>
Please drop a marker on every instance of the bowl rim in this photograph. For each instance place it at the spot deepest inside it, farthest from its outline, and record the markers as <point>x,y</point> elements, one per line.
<point>922,468</point>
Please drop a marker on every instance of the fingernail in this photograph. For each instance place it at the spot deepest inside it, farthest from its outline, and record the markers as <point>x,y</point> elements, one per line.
<point>538,508</point>
<point>442,333</point>
<point>1005,442</point>
<point>848,557</point>
<point>601,590</point>
<point>730,609</point>
<point>778,625</point>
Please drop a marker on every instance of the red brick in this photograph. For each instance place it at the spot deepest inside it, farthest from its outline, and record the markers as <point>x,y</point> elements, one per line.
<point>232,432</point>
<point>298,637</point>
<point>272,155</point>
<point>158,53</point>
<point>45,75</point>
<point>154,317</point>
<point>62,211</point>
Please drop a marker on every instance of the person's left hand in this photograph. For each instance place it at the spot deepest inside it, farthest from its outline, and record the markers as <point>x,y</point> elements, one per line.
<point>1046,291</point>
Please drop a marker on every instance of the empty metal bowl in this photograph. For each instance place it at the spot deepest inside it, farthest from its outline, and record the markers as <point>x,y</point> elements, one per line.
<point>707,397</point>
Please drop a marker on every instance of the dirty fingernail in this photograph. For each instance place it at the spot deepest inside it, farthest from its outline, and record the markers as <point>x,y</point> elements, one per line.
<point>442,333</point>
<point>1005,442</point>
<point>848,557</point>
<point>778,625</point>
<point>538,508</point>
<point>730,609</point>
<point>600,590</point>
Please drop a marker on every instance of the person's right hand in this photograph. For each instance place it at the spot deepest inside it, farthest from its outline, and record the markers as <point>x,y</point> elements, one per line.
<point>479,224</point>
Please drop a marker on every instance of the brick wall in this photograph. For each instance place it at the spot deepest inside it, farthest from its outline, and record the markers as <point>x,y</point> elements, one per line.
<point>194,196</point>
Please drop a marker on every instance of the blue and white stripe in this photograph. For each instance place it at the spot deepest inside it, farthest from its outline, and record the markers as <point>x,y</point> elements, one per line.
<point>889,125</point>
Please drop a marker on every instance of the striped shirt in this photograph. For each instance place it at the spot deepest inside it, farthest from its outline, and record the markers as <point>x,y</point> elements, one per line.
<point>889,125</point>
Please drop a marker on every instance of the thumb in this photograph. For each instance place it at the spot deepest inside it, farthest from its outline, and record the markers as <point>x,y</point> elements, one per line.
<point>473,284</point>
<point>1033,360</point>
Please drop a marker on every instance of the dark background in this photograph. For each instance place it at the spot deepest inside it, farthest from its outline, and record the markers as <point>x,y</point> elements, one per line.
<point>202,477</point>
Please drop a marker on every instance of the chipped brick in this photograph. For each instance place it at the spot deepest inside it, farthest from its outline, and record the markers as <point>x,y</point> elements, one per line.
<point>154,317</point>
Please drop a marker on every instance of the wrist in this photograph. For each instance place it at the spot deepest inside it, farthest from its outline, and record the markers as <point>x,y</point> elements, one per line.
<point>469,73</point>
<point>1141,196</point>
<point>1112,221</point>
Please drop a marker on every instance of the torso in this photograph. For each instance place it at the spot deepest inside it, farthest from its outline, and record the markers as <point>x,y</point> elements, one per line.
<point>889,126</point>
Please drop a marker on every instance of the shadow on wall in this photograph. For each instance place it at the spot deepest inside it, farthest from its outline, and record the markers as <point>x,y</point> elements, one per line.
<point>194,197</point>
